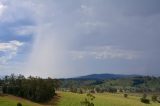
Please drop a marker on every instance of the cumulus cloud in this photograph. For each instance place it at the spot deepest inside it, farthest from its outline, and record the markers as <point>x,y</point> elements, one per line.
<point>8,50</point>
<point>105,52</point>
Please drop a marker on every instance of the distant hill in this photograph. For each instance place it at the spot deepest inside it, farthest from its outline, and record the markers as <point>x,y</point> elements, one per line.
<point>135,83</point>
<point>104,76</point>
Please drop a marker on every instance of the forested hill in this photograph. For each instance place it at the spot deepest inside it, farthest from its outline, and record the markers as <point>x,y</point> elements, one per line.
<point>105,76</point>
<point>134,83</point>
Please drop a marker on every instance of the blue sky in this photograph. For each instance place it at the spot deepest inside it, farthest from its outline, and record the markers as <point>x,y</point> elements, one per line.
<point>67,38</point>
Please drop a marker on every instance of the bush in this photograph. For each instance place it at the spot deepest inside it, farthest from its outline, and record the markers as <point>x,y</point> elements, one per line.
<point>19,104</point>
<point>144,100</point>
<point>125,95</point>
<point>92,91</point>
<point>158,99</point>
<point>154,98</point>
<point>80,91</point>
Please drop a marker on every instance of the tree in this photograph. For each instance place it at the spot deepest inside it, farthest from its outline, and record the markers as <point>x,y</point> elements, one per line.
<point>125,95</point>
<point>154,98</point>
<point>88,101</point>
<point>32,88</point>
<point>19,104</point>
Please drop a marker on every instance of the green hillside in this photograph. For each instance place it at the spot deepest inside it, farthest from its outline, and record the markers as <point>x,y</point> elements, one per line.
<point>12,101</point>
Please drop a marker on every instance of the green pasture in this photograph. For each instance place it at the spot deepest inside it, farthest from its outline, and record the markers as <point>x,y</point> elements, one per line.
<point>74,99</point>
<point>104,99</point>
<point>12,101</point>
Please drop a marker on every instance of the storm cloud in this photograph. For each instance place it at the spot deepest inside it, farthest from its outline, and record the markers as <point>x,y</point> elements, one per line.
<point>72,38</point>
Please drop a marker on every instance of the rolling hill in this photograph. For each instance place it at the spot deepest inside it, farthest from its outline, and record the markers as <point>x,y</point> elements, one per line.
<point>105,76</point>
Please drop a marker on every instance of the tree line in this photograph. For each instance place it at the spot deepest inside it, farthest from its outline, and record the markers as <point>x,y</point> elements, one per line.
<point>33,88</point>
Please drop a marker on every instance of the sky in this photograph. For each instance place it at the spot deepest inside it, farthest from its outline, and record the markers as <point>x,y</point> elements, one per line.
<point>68,38</point>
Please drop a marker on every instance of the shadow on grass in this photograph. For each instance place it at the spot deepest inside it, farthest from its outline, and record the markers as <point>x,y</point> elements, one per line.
<point>54,101</point>
<point>2,95</point>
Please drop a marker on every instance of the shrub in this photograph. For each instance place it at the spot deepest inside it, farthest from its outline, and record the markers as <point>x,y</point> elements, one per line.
<point>92,91</point>
<point>19,104</point>
<point>80,91</point>
<point>125,95</point>
<point>98,89</point>
<point>144,100</point>
<point>158,99</point>
<point>154,98</point>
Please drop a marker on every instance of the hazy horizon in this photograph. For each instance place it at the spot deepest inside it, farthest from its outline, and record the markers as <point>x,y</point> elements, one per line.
<point>70,38</point>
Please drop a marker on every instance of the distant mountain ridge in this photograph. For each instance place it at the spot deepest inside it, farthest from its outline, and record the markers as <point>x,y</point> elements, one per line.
<point>104,76</point>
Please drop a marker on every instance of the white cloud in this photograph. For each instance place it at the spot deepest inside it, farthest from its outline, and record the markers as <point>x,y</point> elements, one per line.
<point>105,52</point>
<point>87,10</point>
<point>2,8</point>
<point>24,30</point>
<point>9,50</point>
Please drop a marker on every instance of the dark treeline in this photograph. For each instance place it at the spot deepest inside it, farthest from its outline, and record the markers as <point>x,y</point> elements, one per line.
<point>32,88</point>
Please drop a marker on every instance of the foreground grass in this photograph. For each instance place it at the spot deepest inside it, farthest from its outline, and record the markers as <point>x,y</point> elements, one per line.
<point>73,99</point>
<point>106,99</point>
<point>12,101</point>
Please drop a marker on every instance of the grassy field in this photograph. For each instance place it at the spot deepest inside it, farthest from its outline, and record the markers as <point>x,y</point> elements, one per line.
<point>73,99</point>
<point>12,101</point>
<point>107,99</point>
